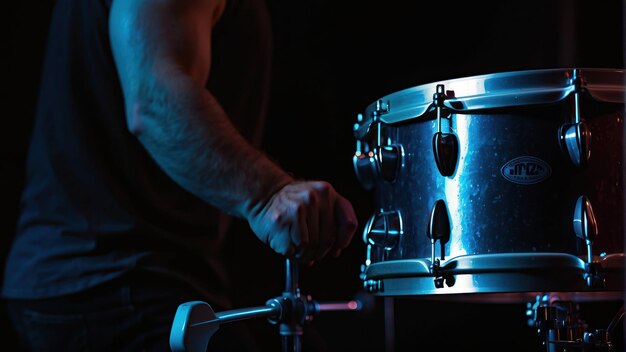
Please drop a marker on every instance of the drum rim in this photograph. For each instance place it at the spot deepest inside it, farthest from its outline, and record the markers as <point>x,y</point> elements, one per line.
<point>497,90</point>
<point>486,263</point>
<point>510,274</point>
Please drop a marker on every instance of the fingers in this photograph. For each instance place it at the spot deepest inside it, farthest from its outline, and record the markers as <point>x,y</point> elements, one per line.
<point>319,222</point>
<point>330,222</point>
<point>346,225</point>
<point>327,231</point>
<point>300,234</point>
<point>307,220</point>
<point>311,223</point>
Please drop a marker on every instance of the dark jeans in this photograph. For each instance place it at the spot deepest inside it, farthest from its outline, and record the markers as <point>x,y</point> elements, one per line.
<point>131,314</point>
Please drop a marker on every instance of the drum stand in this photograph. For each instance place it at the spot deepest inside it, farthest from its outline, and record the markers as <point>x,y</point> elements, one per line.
<point>195,322</point>
<point>561,328</point>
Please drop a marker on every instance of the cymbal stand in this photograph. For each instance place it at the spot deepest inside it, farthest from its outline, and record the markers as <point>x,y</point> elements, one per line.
<point>195,322</point>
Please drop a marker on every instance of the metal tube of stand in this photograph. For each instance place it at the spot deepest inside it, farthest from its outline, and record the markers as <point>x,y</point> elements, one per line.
<point>291,343</point>
<point>291,276</point>
<point>291,330</point>
<point>245,313</point>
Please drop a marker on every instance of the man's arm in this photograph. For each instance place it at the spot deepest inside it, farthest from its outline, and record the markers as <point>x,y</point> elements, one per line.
<point>162,50</point>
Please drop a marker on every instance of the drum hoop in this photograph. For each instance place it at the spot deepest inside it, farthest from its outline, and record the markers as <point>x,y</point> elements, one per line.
<point>490,263</point>
<point>496,91</point>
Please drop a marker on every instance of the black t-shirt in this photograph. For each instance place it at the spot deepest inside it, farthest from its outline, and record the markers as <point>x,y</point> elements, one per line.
<point>95,204</point>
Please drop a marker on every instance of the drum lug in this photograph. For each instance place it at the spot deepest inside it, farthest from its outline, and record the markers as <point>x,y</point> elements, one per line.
<point>586,228</point>
<point>438,229</point>
<point>383,230</point>
<point>389,160</point>
<point>445,145</point>
<point>576,137</point>
<point>446,151</point>
<point>585,224</point>
<point>576,142</point>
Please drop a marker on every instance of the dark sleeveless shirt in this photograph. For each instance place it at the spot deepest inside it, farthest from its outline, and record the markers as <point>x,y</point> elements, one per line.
<point>95,204</point>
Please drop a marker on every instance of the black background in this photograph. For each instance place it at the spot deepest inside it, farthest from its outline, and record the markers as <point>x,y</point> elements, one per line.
<point>332,59</point>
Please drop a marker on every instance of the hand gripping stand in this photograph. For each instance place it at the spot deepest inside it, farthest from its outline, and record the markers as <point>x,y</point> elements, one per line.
<point>195,322</point>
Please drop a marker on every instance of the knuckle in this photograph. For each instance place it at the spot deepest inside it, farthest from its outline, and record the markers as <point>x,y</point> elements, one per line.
<point>309,197</point>
<point>323,188</point>
<point>277,218</point>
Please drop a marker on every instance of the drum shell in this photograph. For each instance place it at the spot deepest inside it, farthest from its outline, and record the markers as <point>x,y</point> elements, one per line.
<point>488,213</point>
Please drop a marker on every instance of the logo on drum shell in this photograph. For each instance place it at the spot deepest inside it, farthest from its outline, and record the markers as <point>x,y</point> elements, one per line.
<point>526,170</point>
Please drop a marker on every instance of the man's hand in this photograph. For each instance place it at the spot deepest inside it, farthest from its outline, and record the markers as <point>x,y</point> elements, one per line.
<point>305,219</point>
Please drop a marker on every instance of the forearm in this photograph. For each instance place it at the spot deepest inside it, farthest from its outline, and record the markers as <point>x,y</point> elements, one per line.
<point>190,137</point>
<point>162,51</point>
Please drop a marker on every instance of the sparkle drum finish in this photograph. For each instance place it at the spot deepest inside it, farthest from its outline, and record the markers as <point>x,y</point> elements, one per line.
<point>505,183</point>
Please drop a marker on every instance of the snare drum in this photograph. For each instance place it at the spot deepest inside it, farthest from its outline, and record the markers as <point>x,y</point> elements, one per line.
<point>500,183</point>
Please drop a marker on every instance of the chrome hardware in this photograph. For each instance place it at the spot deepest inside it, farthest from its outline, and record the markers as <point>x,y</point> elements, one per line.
<point>383,229</point>
<point>445,145</point>
<point>368,256</point>
<point>576,137</point>
<point>364,167</point>
<point>586,228</point>
<point>373,285</point>
<point>384,159</point>
<point>363,160</point>
<point>389,159</point>
<point>446,150</point>
<point>561,327</point>
<point>439,228</point>
<point>585,225</point>
<point>576,141</point>
<point>382,108</point>
<point>361,128</point>
<point>577,81</point>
